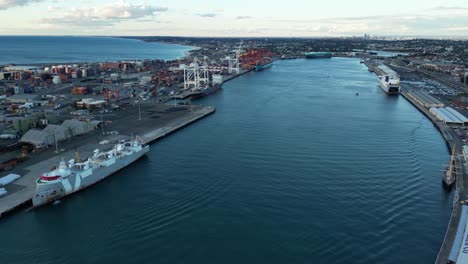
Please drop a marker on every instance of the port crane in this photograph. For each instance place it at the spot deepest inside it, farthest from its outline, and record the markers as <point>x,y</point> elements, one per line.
<point>196,75</point>
<point>234,62</point>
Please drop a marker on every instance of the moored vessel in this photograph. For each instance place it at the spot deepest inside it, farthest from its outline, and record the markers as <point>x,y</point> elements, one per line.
<point>73,176</point>
<point>449,176</point>
<point>263,64</point>
<point>204,91</point>
<point>389,80</point>
<point>318,55</point>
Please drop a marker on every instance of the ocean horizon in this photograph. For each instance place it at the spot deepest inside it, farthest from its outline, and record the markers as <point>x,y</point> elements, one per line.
<point>83,49</point>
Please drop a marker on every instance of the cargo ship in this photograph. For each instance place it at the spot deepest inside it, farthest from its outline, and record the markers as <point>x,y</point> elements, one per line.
<point>389,80</point>
<point>204,91</point>
<point>263,64</point>
<point>317,55</point>
<point>77,175</point>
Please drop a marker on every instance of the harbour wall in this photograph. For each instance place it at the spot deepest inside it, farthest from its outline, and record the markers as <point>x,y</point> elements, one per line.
<point>452,144</point>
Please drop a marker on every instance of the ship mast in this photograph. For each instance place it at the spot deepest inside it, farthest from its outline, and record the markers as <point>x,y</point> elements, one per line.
<point>449,177</point>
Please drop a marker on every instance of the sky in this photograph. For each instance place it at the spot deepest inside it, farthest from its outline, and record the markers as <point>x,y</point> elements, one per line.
<point>235,18</point>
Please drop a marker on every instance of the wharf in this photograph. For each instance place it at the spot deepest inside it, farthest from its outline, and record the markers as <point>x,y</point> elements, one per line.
<point>20,192</point>
<point>372,67</point>
<point>453,142</point>
<point>177,124</point>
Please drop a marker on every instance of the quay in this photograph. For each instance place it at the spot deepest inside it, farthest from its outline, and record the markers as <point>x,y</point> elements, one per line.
<point>450,243</point>
<point>177,124</point>
<point>22,190</point>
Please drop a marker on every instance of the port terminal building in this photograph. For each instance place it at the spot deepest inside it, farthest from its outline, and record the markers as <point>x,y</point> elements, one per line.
<point>425,99</point>
<point>459,252</point>
<point>449,116</point>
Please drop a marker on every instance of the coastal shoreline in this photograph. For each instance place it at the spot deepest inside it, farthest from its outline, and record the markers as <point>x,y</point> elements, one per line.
<point>185,54</point>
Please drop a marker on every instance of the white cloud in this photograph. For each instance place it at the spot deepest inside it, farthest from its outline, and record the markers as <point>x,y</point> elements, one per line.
<point>5,4</point>
<point>104,15</point>
<point>120,10</point>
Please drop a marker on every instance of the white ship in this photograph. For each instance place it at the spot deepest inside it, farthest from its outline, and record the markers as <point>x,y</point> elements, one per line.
<point>77,175</point>
<point>389,81</point>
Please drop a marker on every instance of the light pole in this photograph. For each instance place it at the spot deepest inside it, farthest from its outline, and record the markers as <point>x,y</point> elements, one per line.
<point>139,110</point>
<point>56,144</point>
<point>102,121</point>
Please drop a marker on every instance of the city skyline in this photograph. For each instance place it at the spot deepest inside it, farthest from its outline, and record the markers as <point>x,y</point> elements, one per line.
<point>241,18</point>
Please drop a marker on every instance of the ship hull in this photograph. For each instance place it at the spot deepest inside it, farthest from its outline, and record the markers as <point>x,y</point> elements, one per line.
<point>318,56</point>
<point>47,193</point>
<point>390,90</point>
<point>262,67</point>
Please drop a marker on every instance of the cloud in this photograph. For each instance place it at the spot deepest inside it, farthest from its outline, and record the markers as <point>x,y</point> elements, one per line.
<point>243,17</point>
<point>450,8</point>
<point>207,15</point>
<point>104,15</point>
<point>5,4</point>
<point>119,11</point>
<point>459,29</point>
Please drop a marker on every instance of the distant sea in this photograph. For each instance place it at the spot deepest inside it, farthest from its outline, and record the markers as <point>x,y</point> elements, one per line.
<point>58,49</point>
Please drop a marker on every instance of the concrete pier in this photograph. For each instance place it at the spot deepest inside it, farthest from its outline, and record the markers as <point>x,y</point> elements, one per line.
<point>177,124</point>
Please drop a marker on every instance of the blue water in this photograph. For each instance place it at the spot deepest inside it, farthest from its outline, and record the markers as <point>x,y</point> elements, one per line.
<point>45,49</point>
<point>292,168</point>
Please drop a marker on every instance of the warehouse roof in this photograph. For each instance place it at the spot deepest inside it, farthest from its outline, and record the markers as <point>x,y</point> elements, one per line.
<point>37,138</point>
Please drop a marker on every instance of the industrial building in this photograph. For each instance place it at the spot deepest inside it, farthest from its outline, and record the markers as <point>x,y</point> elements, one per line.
<point>77,127</point>
<point>55,133</point>
<point>449,116</point>
<point>425,99</point>
<point>23,98</point>
<point>458,253</point>
<point>91,103</point>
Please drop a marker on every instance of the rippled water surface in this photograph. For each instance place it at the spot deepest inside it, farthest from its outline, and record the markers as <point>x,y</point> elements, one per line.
<point>292,168</point>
